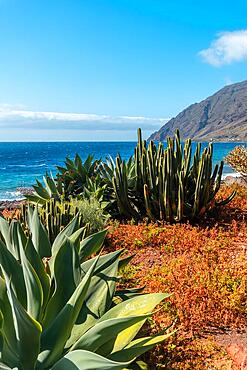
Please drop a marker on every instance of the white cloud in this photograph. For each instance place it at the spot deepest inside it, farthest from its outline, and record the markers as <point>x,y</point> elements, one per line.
<point>229,47</point>
<point>13,117</point>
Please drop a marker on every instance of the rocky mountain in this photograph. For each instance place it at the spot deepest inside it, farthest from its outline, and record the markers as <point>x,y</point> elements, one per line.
<point>220,117</point>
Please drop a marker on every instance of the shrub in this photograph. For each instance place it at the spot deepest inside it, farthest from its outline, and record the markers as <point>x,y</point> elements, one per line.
<point>91,212</point>
<point>237,159</point>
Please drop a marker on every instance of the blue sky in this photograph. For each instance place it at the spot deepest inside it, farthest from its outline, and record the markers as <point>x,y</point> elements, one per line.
<point>97,70</point>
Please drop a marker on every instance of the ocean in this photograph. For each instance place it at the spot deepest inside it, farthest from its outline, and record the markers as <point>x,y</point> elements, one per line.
<point>22,163</point>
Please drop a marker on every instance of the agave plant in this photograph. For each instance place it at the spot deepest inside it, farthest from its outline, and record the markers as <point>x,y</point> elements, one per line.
<point>52,189</point>
<point>73,179</point>
<point>57,307</point>
<point>73,176</point>
<point>120,179</point>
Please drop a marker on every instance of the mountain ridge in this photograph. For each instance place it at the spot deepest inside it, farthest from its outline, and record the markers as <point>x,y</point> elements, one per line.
<point>220,117</point>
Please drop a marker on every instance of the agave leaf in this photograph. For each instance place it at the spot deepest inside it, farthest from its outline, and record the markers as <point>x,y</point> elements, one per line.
<point>70,232</point>
<point>85,360</point>
<point>97,301</point>
<point>102,332</point>
<point>75,237</point>
<point>9,350</point>
<point>137,347</point>
<point>15,239</point>
<point>22,239</point>
<point>139,305</point>
<point>129,293</point>
<point>35,199</point>
<point>227,200</point>
<point>12,270</point>
<point>124,261</point>
<point>26,328</point>
<point>51,185</point>
<point>56,334</point>
<point>91,244</point>
<point>33,287</point>
<point>72,227</point>
<point>66,277</point>
<point>4,229</point>
<point>39,236</point>
<point>30,211</point>
<point>4,367</point>
<point>13,234</point>
<point>103,263</point>
<point>38,266</point>
<point>41,192</point>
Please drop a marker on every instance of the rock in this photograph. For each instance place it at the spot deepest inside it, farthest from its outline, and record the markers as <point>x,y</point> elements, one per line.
<point>10,204</point>
<point>25,191</point>
<point>230,180</point>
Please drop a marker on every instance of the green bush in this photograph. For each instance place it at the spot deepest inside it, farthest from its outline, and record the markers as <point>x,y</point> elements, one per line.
<point>91,212</point>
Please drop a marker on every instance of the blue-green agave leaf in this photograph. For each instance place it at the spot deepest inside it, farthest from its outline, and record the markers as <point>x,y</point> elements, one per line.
<point>56,334</point>
<point>33,287</point>
<point>39,268</point>
<point>85,360</point>
<point>91,244</point>
<point>66,278</point>
<point>12,270</point>
<point>139,346</point>
<point>39,236</point>
<point>98,298</point>
<point>27,332</point>
<point>102,332</point>
<point>139,305</point>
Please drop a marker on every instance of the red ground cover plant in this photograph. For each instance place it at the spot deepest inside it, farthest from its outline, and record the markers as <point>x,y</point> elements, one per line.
<point>11,213</point>
<point>204,266</point>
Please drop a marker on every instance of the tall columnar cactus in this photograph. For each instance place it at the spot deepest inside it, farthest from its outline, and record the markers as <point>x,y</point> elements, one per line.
<point>169,184</point>
<point>54,215</point>
<point>57,306</point>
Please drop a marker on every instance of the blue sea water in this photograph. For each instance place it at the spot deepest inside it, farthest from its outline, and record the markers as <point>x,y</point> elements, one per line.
<point>22,163</point>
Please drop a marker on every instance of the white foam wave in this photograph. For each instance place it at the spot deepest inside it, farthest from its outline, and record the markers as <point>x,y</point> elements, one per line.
<point>6,196</point>
<point>27,166</point>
